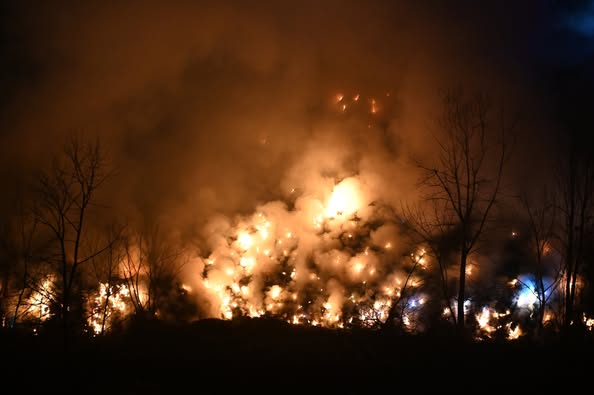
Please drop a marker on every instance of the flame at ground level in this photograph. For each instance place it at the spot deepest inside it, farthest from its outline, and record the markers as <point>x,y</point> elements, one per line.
<point>319,262</point>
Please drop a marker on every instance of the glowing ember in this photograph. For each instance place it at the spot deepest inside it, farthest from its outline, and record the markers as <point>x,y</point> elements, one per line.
<point>373,108</point>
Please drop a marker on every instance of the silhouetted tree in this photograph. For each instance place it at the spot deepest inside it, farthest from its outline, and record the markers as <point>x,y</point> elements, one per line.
<point>397,314</point>
<point>8,259</point>
<point>106,270</point>
<point>541,219</point>
<point>432,231</point>
<point>27,226</point>
<point>151,266</point>
<point>576,183</point>
<point>464,184</point>
<point>65,195</point>
<point>20,251</point>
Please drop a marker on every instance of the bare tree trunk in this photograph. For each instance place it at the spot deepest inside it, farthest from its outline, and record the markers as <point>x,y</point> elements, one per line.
<point>580,244</point>
<point>541,221</point>
<point>21,293</point>
<point>461,187</point>
<point>66,193</point>
<point>4,287</point>
<point>462,288</point>
<point>105,305</point>
<point>444,285</point>
<point>541,292</point>
<point>569,254</point>
<point>393,313</point>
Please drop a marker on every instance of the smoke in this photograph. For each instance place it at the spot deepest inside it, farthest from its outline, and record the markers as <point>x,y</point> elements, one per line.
<point>219,116</point>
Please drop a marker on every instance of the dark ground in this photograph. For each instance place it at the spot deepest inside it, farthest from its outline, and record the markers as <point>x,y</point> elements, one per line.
<point>264,356</point>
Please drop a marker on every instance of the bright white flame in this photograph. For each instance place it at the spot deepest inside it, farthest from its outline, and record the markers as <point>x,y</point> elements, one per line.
<point>275,291</point>
<point>589,322</point>
<point>515,333</point>
<point>345,199</point>
<point>245,240</point>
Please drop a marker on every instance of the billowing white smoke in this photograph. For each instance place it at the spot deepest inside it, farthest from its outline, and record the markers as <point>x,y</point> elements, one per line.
<point>318,258</point>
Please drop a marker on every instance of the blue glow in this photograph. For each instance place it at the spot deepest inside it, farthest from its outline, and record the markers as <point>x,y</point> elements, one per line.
<point>582,22</point>
<point>527,295</point>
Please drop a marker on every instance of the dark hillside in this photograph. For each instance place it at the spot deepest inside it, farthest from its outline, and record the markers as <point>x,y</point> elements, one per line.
<point>218,356</point>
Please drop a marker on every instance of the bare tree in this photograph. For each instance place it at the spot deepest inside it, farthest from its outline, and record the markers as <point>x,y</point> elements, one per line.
<point>106,270</point>
<point>400,302</point>
<point>431,229</point>
<point>576,185</point>
<point>8,259</point>
<point>18,253</point>
<point>66,195</point>
<point>465,183</point>
<point>27,229</point>
<point>541,221</point>
<point>151,266</point>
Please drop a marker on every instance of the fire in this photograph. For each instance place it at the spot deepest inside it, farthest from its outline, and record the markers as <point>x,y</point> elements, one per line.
<point>40,301</point>
<point>266,265</point>
<point>345,199</point>
<point>245,240</point>
<point>589,322</point>
<point>514,332</point>
<point>186,288</point>
<point>546,248</point>
<point>417,257</point>
<point>373,108</point>
<point>358,267</point>
<point>275,291</point>
<point>331,256</point>
<point>483,320</point>
<point>326,257</point>
<point>111,303</point>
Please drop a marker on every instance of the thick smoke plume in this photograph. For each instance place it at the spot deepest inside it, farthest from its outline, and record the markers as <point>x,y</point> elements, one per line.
<point>267,135</point>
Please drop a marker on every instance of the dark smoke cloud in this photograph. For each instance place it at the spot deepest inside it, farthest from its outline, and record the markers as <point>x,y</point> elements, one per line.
<point>218,106</point>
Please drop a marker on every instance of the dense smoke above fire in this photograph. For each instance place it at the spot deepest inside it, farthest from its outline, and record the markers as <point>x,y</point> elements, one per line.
<point>277,143</point>
<point>210,104</point>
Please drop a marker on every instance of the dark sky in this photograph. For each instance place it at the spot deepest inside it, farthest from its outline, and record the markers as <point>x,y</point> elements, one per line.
<point>215,106</point>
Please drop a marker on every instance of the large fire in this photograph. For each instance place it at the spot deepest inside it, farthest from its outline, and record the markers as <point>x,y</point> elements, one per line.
<point>331,255</point>
<point>323,263</point>
<point>319,263</point>
<point>333,259</point>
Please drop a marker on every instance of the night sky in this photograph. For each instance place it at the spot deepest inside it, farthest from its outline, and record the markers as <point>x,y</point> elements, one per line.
<point>212,109</point>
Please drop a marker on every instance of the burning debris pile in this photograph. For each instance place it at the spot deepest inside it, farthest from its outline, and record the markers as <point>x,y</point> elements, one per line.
<point>332,251</point>
<point>331,259</point>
